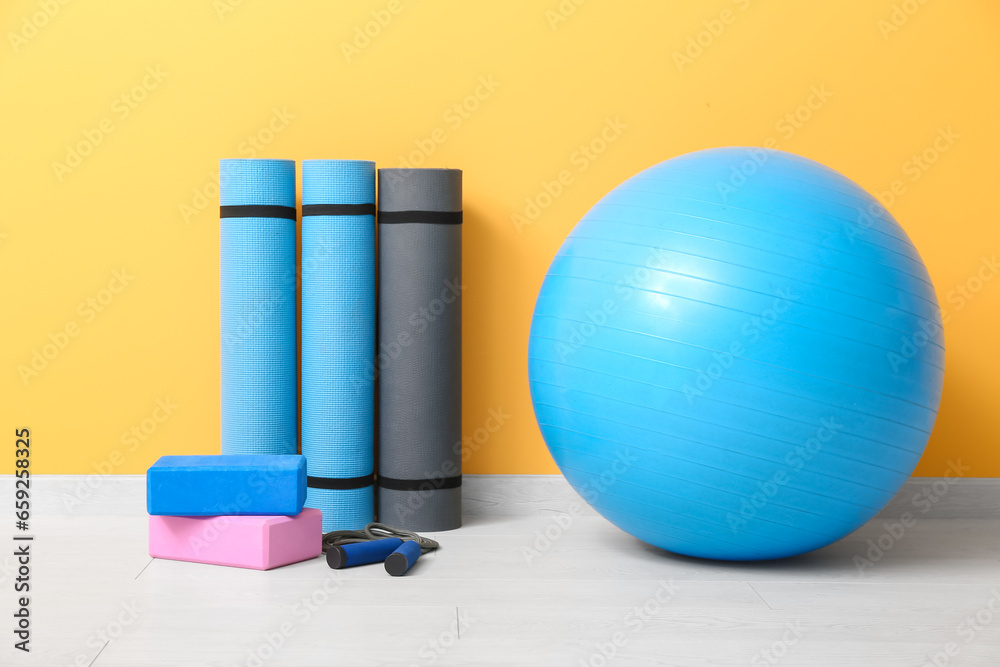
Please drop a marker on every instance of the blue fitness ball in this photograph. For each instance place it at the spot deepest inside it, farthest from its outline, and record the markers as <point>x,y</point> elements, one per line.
<point>737,354</point>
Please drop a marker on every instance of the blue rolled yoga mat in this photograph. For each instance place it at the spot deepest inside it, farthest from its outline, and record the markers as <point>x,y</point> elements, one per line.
<point>259,406</point>
<point>338,339</point>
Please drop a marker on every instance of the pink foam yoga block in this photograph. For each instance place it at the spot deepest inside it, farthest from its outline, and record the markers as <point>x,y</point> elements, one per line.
<point>256,542</point>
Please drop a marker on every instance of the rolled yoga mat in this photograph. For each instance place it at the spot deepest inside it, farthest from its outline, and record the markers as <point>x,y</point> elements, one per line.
<point>259,395</point>
<point>419,356</point>
<point>338,339</point>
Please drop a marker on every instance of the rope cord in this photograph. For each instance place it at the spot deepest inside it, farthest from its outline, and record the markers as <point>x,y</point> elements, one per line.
<point>376,531</point>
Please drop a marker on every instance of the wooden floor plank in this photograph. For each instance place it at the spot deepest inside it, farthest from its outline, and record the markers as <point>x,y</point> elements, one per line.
<point>518,591</point>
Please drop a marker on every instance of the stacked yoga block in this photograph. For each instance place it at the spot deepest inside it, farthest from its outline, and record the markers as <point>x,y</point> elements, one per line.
<point>414,360</point>
<point>237,510</point>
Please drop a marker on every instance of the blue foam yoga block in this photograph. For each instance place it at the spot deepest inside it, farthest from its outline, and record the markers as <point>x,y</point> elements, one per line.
<point>243,484</point>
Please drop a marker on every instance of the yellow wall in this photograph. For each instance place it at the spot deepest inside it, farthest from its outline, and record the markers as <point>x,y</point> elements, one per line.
<point>884,78</point>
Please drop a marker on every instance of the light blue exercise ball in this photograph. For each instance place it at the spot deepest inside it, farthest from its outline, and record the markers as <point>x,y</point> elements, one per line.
<point>737,354</point>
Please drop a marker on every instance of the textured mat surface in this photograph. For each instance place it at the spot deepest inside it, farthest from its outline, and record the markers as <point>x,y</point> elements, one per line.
<point>257,285</point>
<point>338,339</point>
<point>420,348</point>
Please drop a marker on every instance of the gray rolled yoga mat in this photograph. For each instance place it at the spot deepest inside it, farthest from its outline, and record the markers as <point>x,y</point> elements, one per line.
<point>419,356</point>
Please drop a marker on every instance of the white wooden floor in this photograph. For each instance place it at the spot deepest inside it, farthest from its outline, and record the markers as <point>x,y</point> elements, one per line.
<point>98,599</point>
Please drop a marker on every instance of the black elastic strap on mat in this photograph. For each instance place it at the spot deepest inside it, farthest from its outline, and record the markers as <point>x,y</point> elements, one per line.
<point>258,211</point>
<point>338,209</point>
<point>422,217</point>
<point>340,483</point>
<point>419,484</point>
